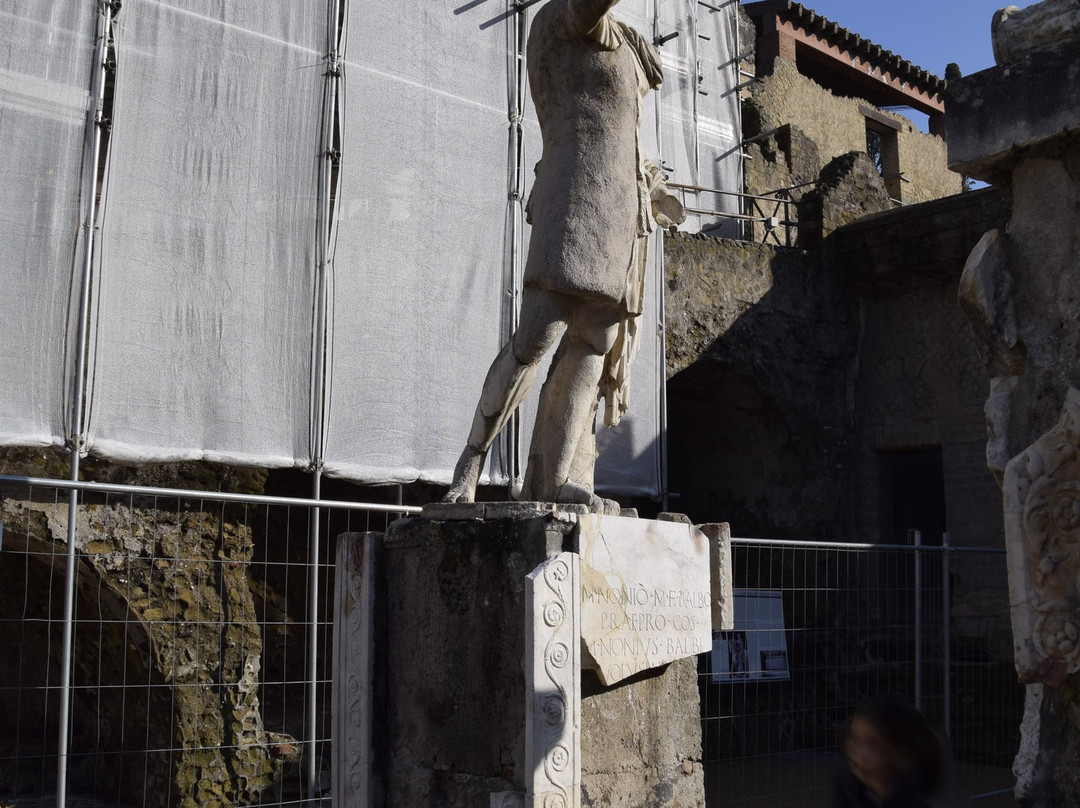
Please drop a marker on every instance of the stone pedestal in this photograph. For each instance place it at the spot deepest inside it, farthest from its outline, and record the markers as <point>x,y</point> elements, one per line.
<point>475,675</point>
<point>455,595</point>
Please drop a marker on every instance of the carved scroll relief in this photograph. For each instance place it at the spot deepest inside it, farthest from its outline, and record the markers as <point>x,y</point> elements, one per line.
<point>553,682</point>
<point>1042,534</point>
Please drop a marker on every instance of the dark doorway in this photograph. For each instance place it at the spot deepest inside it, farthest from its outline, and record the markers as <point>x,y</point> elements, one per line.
<point>913,495</point>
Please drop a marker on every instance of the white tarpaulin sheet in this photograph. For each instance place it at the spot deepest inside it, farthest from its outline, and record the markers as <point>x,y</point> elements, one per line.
<point>204,322</point>
<point>678,139</point>
<point>630,453</point>
<point>700,108</point>
<point>719,122</point>
<point>203,329</point>
<point>44,96</point>
<point>419,287</point>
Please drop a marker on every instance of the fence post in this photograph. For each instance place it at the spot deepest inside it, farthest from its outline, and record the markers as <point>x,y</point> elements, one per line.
<point>946,627</point>
<point>311,716</point>
<point>91,155</point>
<point>918,621</point>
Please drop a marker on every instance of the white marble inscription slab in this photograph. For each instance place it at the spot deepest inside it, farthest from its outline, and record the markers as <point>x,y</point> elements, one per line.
<point>645,594</point>
<point>553,685</point>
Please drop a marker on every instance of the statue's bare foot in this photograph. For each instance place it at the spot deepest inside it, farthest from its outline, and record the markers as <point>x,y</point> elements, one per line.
<point>466,476</point>
<point>573,493</point>
<point>611,507</point>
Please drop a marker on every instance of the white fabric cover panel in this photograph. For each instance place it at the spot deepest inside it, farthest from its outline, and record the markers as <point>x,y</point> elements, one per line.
<point>719,122</point>
<point>421,290</point>
<point>44,96</point>
<point>678,131</point>
<point>522,427</point>
<point>630,453</point>
<point>204,326</point>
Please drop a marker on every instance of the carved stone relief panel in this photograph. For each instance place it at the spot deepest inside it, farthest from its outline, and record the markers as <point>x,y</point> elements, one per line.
<point>1042,533</point>
<point>553,682</point>
<point>351,707</point>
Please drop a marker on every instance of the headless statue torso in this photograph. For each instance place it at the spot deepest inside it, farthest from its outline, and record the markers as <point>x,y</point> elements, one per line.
<point>591,206</point>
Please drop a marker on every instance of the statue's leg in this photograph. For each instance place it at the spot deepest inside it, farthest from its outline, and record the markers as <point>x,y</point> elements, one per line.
<point>561,440</point>
<point>581,467</point>
<point>543,319</point>
<point>507,382</point>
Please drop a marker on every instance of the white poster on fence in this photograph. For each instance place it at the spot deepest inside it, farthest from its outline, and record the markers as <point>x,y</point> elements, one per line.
<point>756,649</point>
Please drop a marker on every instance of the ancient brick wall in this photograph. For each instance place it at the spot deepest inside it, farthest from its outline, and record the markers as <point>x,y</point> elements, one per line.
<point>794,374</point>
<point>835,125</point>
<point>921,384</point>
<point>923,161</point>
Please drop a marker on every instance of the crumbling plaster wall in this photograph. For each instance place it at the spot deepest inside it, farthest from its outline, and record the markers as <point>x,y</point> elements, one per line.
<point>792,372</point>
<point>169,650</point>
<point>760,340</point>
<point>834,124</point>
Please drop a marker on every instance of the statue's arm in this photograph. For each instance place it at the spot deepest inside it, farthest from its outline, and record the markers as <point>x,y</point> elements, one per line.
<point>585,15</point>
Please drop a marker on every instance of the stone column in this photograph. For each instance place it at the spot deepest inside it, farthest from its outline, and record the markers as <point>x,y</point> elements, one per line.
<point>353,699</point>
<point>1018,125</point>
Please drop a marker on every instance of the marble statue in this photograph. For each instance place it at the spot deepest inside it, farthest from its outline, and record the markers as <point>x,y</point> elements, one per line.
<point>595,200</point>
<point>1016,32</point>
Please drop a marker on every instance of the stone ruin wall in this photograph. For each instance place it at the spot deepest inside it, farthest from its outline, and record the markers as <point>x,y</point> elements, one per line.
<point>922,160</point>
<point>169,643</point>
<point>758,350</point>
<point>787,381</point>
<point>786,96</point>
<point>921,384</point>
<point>835,126</point>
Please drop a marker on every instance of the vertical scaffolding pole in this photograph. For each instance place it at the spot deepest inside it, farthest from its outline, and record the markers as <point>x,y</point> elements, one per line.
<point>313,639</point>
<point>327,159</point>
<point>91,153</point>
<point>946,639</point>
<point>517,35</point>
<point>661,320</point>
<point>918,621</point>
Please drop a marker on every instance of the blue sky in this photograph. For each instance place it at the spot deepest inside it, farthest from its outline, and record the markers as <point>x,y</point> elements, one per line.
<point>929,33</point>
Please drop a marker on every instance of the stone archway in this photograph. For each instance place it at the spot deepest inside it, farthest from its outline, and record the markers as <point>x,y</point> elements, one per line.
<point>167,657</point>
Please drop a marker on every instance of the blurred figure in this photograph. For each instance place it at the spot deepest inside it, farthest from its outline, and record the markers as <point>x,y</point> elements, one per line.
<point>894,759</point>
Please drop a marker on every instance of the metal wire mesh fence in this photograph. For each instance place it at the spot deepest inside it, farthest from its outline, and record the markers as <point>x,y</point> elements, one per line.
<point>201,647</point>
<point>201,630</point>
<point>821,627</point>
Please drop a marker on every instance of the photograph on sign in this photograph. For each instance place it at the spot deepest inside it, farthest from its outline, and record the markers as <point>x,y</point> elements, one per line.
<point>756,650</point>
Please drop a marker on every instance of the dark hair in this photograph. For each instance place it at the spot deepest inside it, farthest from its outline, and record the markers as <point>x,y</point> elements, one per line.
<point>908,730</point>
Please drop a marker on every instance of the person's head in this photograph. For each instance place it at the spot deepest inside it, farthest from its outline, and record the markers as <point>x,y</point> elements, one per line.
<point>889,741</point>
